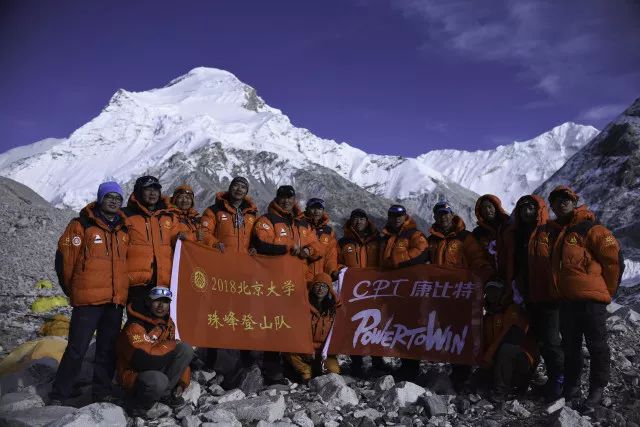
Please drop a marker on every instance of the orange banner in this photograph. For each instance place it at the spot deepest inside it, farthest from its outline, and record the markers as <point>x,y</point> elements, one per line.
<point>422,312</point>
<point>236,301</point>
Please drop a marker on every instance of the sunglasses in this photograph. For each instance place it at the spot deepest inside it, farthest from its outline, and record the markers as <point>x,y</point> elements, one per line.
<point>161,292</point>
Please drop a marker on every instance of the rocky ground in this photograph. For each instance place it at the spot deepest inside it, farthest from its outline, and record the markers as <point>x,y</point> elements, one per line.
<point>29,228</point>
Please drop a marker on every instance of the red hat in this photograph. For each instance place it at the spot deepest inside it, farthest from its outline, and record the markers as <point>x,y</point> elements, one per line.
<point>321,278</point>
<point>563,189</point>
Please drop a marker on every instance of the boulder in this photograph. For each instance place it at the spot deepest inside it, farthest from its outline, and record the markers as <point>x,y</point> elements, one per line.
<point>333,390</point>
<point>232,395</point>
<point>192,393</point>
<point>567,417</point>
<point>384,383</point>
<point>38,374</point>
<point>401,395</point>
<point>221,417</point>
<point>20,401</point>
<point>35,417</point>
<point>96,414</point>
<point>433,405</point>
<point>203,377</point>
<point>251,381</point>
<point>301,419</point>
<point>516,408</point>
<point>267,408</point>
<point>190,421</point>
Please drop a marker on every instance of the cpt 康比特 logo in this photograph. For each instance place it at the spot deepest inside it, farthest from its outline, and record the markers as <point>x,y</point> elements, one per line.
<point>199,280</point>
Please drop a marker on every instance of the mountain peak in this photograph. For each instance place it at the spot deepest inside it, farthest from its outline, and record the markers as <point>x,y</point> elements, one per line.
<point>201,74</point>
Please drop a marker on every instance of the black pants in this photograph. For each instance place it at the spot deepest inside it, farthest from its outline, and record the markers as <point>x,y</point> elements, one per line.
<point>545,325</point>
<point>272,368</point>
<point>588,319</point>
<point>106,319</point>
<point>150,386</point>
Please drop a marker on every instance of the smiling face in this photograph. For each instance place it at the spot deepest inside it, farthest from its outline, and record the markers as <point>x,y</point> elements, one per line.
<point>237,191</point>
<point>487,210</point>
<point>286,203</point>
<point>320,290</point>
<point>394,221</point>
<point>150,196</point>
<point>315,212</point>
<point>184,201</point>
<point>160,307</point>
<point>563,206</point>
<point>359,223</point>
<point>444,220</point>
<point>111,203</point>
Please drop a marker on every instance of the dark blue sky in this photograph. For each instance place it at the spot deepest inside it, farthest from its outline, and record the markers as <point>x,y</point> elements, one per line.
<point>392,77</point>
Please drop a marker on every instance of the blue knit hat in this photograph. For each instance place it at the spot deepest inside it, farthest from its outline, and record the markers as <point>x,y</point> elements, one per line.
<point>108,187</point>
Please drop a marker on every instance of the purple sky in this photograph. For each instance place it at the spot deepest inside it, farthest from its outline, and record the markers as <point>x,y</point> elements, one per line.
<point>393,77</point>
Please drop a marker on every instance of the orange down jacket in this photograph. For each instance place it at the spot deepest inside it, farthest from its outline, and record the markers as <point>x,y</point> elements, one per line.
<point>507,252</point>
<point>403,248</point>
<point>91,260</point>
<point>219,224</point>
<point>487,234</point>
<point>459,248</point>
<point>326,260</point>
<point>188,221</point>
<point>152,235</point>
<point>278,232</point>
<point>145,343</point>
<point>321,322</point>
<point>357,251</point>
<point>585,260</point>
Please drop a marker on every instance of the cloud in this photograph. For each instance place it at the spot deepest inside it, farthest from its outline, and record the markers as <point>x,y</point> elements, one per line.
<point>602,112</point>
<point>559,47</point>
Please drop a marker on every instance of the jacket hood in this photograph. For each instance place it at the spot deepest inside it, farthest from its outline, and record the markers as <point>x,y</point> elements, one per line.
<point>372,232</point>
<point>247,205</point>
<point>564,189</point>
<point>139,311</point>
<point>458,226</point>
<point>332,294</point>
<point>501,214</point>
<point>543,214</point>
<point>296,212</point>
<point>408,224</point>
<point>89,213</point>
<point>164,205</point>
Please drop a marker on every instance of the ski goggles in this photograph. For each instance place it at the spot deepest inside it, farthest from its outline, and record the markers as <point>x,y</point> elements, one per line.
<point>159,292</point>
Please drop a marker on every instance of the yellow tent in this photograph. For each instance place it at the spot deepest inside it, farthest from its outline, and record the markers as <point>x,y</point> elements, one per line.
<point>52,347</point>
<point>44,284</point>
<point>44,304</point>
<point>58,326</point>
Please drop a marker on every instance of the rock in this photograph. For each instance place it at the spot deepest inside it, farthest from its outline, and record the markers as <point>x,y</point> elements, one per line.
<point>276,424</point>
<point>232,395</point>
<point>474,398</point>
<point>38,373</point>
<point>333,390</point>
<point>368,413</point>
<point>433,405</point>
<point>166,422</point>
<point>251,381</point>
<point>300,418</point>
<point>556,406</point>
<point>20,401</point>
<point>221,417</point>
<point>438,382</point>
<point>401,395</point>
<point>96,414</point>
<point>35,417</point>
<point>158,410</point>
<point>567,417</point>
<point>384,383</point>
<point>606,402</point>
<point>265,408</point>
<point>191,421</point>
<point>516,408</point>
<point>216,390</point>
<point>184,412</point>
<point>192,393</point>
<point>488,422</point>
<point>203,377</point>
<point>462,405</point>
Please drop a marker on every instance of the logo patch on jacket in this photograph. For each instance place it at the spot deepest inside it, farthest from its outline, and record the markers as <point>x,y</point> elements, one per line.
<point>349,249</point>
<point>223,217</point>
<point>324,239</point>
<point>283,232</point>
<point>205,223</point>
<point>167,223</point>
<point>572,240</point>
<point>402,244</point>
<point>250,219</point>
<point>97,239</point>
<point>454,246</point>
<point>265,225</point>
<point>76,241</point>
<point>609,241</point>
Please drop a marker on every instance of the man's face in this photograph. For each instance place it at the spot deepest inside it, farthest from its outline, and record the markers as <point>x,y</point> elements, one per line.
<point>528,213</point>
<point>396,221</point>
<point>286,203</point>
<point>184,201</point>
<point>359,223</point>
<point>238,190</point>
<point>487,210</point>
<point>150,196</point>
<point>111,203</point>
<point>160,307</point>
<point>315,212</point>
<point>444,220</point>
<point>562,205</point>
<point>320,290</point>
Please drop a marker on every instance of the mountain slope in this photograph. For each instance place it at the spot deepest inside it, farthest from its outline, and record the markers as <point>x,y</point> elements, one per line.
<point>606,175</point>
<point>208,108</point>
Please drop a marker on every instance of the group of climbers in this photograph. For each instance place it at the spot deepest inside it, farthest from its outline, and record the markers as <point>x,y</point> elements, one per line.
<point>546,282</point>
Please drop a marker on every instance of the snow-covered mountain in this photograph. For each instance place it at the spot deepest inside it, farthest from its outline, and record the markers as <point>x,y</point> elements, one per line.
<point>606,175</point>
<point>207,125</point>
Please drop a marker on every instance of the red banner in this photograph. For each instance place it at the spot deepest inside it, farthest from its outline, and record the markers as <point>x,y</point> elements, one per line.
<point>422,312</point>
<point>236,301</point>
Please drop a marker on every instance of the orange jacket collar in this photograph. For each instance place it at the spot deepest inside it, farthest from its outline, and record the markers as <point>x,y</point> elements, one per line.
<point>501,215</point>
<point>543,214</point>
<point>458,226</point>
<point>324,220</point>
<point>296,212</point>
<point>353,234</point>
<point>89,213</point>
<point>164,205</point>
<point>136,313</point>
<point>406,225</point>
<point>223,198</point>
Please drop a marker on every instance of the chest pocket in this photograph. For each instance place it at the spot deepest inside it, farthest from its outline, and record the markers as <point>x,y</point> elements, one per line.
<point>282,232</point>
<point>574,253</point>
<point>97,243</point>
